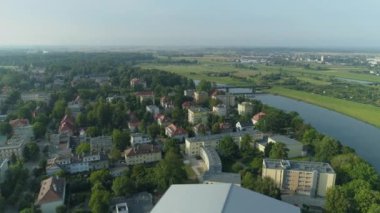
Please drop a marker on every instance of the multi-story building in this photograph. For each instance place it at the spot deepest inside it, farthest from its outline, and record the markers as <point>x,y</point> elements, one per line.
<point>100,144</point>
<point>226,98</point>
<point>245,108</point>
<point>220,110</point>
<point>200,97</point>
<point>143,153</point>
<point>43,97</point>
<point>194,145</point>
<point>14,146</point>
<point>139,138</point>
<point>300,177</point>
<point>197,115</point>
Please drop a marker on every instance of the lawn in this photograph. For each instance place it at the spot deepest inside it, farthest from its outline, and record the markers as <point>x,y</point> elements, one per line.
<point>364,112</point>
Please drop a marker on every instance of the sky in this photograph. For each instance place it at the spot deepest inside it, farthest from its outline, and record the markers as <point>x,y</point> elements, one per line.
<point>250,23</point>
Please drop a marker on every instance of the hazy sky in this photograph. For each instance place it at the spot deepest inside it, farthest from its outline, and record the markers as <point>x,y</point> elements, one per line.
<point>290,23</point>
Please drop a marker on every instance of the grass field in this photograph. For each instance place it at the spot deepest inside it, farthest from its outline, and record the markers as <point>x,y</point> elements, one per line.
<point>218,64</point>
<point>364,112</point>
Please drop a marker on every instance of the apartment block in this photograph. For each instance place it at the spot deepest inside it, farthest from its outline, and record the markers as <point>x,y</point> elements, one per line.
<point>300,177</point>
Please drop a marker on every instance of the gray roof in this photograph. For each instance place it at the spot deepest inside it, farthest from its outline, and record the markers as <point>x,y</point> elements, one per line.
<point>297,165</point>
<point>223,177</point>
<point>285,140</point>
<point>209,198</point>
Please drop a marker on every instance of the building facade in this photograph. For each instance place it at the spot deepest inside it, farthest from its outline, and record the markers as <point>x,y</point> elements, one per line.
<point>143,153</point>
<point>300,177</point>
<point>245,108</point>
<point>197,115</point>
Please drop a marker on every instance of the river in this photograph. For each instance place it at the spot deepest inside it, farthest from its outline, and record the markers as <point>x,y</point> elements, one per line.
<point>362,137</point>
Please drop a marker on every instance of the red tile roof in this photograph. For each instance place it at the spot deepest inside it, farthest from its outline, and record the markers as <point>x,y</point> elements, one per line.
<point>52,189</point>
<point>176,130</point>
<point>19,123</point>
<point>258,116</point>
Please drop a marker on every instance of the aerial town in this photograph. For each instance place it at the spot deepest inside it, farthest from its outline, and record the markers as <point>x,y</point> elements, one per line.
<point>141,140</point>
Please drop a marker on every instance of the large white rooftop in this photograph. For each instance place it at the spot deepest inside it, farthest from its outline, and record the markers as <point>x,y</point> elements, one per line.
<point>221,198</point>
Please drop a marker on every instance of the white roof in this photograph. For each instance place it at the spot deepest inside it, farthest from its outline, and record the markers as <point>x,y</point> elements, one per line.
<point>209,198</point>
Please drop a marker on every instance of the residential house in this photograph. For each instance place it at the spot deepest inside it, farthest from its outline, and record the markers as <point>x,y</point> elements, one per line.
<point>162,120</point>
<point>153,109</point>
<point>75,106</point>
<point>145,96</point>
<point>22,129</point>
<point>174,131</point>
<point>256,118</point>
<point>166,102</point>
<point>187,105</point>
<point>201,129</point>
<point>133,125</point>
<point>189,92</point>
<point>300,177</point>
<point>52,194</point>
<point>134,82</point>
<point>197,115</point>
<point>139,138</point>
<point>67,125</point>
<point>142,153</point>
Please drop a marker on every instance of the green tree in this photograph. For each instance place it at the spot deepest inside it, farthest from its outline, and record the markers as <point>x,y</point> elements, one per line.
<point>83,148</point>
<point>154,130</point>
<point>100,176</point>
<point>6,129</point>
<point>39,130</point>
<point>59,109</point>
<point>326,149</point>
<point>265,186</point>
<point>278,151</point>
<point>99,200</point>
<point>122,186</point>
<point>31,151</point>
<point>337,200</point>
<point>61,209</point>
<point>170,170</point>
<point>120,139</point>
<point>227,148</point>
<point>204,86</point>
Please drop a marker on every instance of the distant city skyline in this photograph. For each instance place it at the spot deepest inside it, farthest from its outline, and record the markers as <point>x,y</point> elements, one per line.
<point>270,23</point>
